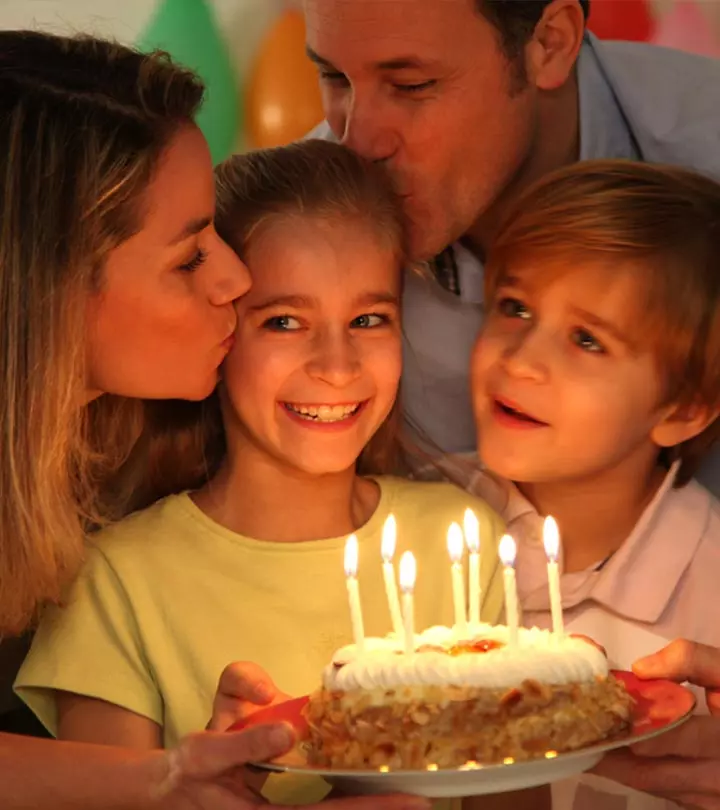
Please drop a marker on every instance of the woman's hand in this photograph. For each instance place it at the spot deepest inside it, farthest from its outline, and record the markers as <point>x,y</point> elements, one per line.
<point>682,765</point>
<point>244,688</point>
<point>206,773</point>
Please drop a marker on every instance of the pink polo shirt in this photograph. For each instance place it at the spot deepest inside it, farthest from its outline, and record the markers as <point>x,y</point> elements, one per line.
<point>662,584</point>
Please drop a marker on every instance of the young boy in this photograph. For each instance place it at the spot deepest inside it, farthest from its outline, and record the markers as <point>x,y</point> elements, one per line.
<point>596,389</point>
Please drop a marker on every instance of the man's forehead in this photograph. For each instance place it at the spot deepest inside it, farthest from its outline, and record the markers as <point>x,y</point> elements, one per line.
<point>387,29</point>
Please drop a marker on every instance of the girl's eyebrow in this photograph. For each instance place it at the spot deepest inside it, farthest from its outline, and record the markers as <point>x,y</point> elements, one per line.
<point>305,302</point>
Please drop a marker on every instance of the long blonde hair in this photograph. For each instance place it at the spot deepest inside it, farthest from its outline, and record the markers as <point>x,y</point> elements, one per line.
<point>83,123</point>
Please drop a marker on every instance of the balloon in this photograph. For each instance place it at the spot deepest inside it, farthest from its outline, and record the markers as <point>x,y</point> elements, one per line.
<point>689,27</point>
<point>187,30</point>
<point>283,97</point>
<point>621,19</point>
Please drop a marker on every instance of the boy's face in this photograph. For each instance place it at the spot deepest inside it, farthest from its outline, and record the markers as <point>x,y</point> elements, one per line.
<point>316,362</point>
<point>560,389</point>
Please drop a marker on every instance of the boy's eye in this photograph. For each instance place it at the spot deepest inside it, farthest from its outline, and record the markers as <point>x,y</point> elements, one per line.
<point>415,88</point>
<point>512,308</point>
<point>586,341</point>
<point>369,321</point>
<point>333,76</point>
<point>282,323</point>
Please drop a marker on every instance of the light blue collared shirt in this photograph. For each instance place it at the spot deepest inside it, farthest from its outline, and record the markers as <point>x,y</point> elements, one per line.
<point>638,102</point>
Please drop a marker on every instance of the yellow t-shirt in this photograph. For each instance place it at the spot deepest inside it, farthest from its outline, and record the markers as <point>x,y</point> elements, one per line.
<point>168,598</point>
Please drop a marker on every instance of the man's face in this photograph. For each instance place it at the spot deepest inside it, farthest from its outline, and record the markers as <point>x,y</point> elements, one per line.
<point>425,86</point>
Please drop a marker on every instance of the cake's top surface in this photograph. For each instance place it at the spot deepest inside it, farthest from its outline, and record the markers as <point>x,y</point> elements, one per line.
<point>481,658</point>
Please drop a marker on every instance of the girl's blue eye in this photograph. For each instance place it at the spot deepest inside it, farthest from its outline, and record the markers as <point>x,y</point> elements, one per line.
<point>195,262</point>
<point>512,308</point>
<point>586,341</point>
<point>369,321</point>
<point>282,323</point>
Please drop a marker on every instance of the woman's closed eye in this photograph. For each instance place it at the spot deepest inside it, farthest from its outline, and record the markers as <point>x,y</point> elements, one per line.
<point>197,259</point>
<point>586,341</point>
<point>282,323</point>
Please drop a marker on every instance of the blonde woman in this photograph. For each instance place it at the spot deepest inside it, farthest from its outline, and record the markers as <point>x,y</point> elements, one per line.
<point>115,291</point>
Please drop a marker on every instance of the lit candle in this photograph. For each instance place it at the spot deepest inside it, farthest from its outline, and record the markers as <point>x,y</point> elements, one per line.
<point>408,572</point>
<point>472,538</point>
<point>551,541</point>
<point>507,551</point>
<point>351,570</point>
<point>389,537</point>
<point>456,546</point>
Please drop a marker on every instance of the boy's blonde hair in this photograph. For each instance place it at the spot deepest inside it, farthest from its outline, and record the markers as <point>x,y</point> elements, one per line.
<point>83,123</point>
<point>660,223</point>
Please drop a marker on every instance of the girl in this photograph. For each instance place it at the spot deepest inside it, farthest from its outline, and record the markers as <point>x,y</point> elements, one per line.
<point>249,565</point>
<point>596,385</point>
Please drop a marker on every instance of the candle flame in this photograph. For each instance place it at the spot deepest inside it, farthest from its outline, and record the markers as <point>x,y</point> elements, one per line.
<point>507,550</point>
<point>551,539</point>
<point>472,531</point>
<point>455,542</point>
<point>389,538</point>
<point>351,556</point>
<point>408,572</point>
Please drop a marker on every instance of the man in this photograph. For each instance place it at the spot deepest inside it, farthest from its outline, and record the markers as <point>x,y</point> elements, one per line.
<point>467,102</point>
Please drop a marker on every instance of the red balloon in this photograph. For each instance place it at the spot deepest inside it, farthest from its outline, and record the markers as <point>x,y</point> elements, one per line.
<point>621,19</point>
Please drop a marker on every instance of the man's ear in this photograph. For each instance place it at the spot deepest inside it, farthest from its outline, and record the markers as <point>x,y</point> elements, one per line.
<point>680,423</point>
<point>553,50</point>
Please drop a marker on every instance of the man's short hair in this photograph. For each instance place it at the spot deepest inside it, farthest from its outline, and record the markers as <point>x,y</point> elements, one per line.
<point>515,20</point>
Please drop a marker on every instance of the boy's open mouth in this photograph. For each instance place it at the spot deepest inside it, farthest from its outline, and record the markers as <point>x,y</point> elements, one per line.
<point>324,413</point>
<point>515,413</point>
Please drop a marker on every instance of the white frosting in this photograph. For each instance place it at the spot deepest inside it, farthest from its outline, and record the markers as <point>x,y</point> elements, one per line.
<point>539,655</point>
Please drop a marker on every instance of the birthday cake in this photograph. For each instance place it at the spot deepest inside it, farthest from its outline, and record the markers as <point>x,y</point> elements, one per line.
<point>462,700</point>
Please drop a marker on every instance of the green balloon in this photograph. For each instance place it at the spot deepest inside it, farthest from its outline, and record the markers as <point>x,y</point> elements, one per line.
<point>188,31</point>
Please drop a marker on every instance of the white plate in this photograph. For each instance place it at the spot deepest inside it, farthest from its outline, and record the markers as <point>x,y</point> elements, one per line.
<point>660,707</point>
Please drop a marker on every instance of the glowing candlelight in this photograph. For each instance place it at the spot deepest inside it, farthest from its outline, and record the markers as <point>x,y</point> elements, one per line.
<point>389,539</point>
<point>351,571</point>
<point>472,538</point>
<point>551,541</point>
<point>507,552</point>
<point>456,546</point>
<point>408,573</point>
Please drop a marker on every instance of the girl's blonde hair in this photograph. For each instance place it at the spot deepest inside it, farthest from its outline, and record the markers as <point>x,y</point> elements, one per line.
<point>660,223</point>
<point>83,123</point>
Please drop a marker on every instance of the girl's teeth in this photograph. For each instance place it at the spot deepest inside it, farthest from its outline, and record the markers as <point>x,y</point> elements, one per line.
<point>324,413</point>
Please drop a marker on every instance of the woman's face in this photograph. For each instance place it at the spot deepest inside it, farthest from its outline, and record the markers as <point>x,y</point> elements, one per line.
<point>163,319</point>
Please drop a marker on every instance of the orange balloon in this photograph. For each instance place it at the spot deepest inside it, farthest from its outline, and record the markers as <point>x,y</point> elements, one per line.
<point>283,99</point>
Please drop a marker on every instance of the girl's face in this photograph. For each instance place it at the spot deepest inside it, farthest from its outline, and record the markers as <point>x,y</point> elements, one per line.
<point>163,320</point>
<point>317,357</point>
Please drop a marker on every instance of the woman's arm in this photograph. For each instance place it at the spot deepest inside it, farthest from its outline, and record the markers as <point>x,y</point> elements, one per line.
<point>85,719</point>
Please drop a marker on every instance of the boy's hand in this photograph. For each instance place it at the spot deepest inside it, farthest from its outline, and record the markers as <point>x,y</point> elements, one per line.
<point>682,765</point>
<point>243,689</point>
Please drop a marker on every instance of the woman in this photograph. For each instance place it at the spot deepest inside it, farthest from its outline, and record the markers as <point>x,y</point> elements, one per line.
<point>115,291</point>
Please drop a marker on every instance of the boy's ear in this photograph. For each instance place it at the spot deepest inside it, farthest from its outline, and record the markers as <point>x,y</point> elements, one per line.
<point>680,423</point>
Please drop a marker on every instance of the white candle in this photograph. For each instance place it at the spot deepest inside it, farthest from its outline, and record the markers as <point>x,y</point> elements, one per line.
<point>472,538</point>
<point>408,572</point>
<point>389,538</point>
<point>351,571</point>
<point>507,552</point>
<point>551,541</point>
<point>456,546</point>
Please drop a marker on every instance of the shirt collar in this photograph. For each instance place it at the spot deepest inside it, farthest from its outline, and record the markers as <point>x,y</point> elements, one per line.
<point>639,580</point>
<point>604,131</point>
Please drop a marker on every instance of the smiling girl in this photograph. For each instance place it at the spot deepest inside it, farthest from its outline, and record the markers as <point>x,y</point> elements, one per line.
<point>249,565</point>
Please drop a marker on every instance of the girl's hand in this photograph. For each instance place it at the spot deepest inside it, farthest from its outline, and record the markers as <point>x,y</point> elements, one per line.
<point>206,773</point>
<point>244,688</point>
